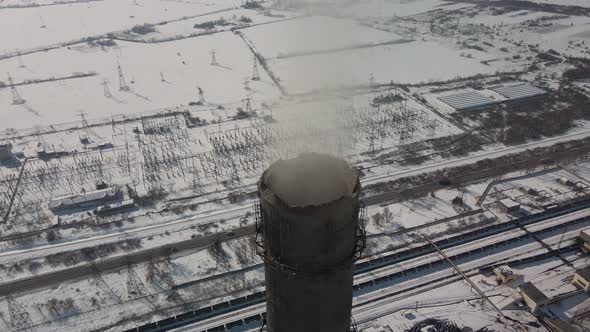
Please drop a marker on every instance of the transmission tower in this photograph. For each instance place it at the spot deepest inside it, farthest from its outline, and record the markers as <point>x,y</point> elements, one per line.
<point>255,73</point>
<point>16,97</point>
<point>162,77</point>
<point>213,58</point>
<point>248,101</point>
<point>122,83</point>
<point>19,317</point>
<point>84,139</point>
<point>107,91</point>
<point>135,286</point>
<point>201,95</point>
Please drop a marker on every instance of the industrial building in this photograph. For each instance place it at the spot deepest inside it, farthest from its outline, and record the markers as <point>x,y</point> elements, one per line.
<point>5,151</point>
<point>582,278</point>
<point>532,297</point>
<point>504,274</point>
<point>467,101</point>
<point>116,207</point>
<point>509,206</point>
<point>519,91</point>
<point>83,200</point>
<point>483,98</point>
<point>585,240</point>
<point>309,232</point>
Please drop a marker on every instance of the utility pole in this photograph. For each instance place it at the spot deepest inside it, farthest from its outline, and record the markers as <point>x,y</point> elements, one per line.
<point>43,25</point>
<point>213,58</point>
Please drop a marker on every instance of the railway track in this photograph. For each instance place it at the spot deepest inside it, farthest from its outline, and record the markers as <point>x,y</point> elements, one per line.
<point>372,275</point>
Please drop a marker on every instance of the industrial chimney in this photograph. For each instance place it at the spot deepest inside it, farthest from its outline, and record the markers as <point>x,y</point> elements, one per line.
<point>309,232</point>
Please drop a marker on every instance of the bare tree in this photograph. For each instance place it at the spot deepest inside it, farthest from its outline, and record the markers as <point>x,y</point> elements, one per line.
<point>387,216</point>
<point>378,219</point>
<point>221,256</point>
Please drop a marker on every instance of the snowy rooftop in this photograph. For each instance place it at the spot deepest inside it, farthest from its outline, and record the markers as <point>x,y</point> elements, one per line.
<point>519,91</point>
<point>509,203</point>
<point>533,292</point>
<point>504,270</point>
<point>81,198</point>
<point>467,100</point>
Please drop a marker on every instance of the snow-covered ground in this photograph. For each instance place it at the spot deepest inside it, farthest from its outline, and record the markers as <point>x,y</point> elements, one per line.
<point>184,65</point>
<point>104,301</point>
<point>405,63</point>
<point>40,26</point>
<point>454,302</point>
<point>314,34</point>
<point>562,34</point>
<point>579,3</point>
<point>376,8</point>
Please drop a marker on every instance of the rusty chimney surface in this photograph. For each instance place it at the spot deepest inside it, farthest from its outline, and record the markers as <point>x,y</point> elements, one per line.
<point>311,179</point>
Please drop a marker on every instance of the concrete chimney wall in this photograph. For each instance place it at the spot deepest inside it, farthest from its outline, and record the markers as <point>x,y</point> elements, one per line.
<point>309,209</point>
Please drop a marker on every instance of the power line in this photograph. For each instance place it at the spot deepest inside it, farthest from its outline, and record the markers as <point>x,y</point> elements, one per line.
<point>456,268</point>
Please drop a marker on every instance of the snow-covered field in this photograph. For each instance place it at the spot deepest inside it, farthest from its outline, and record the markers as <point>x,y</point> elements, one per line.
<point>563,34</point>
<point>184,65</point>
<point>104,303</point>
<point>579,3</point>
<point>376,8</point>
<point>314,34</point>
<point>40,26</point>
<point>406,63</point>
